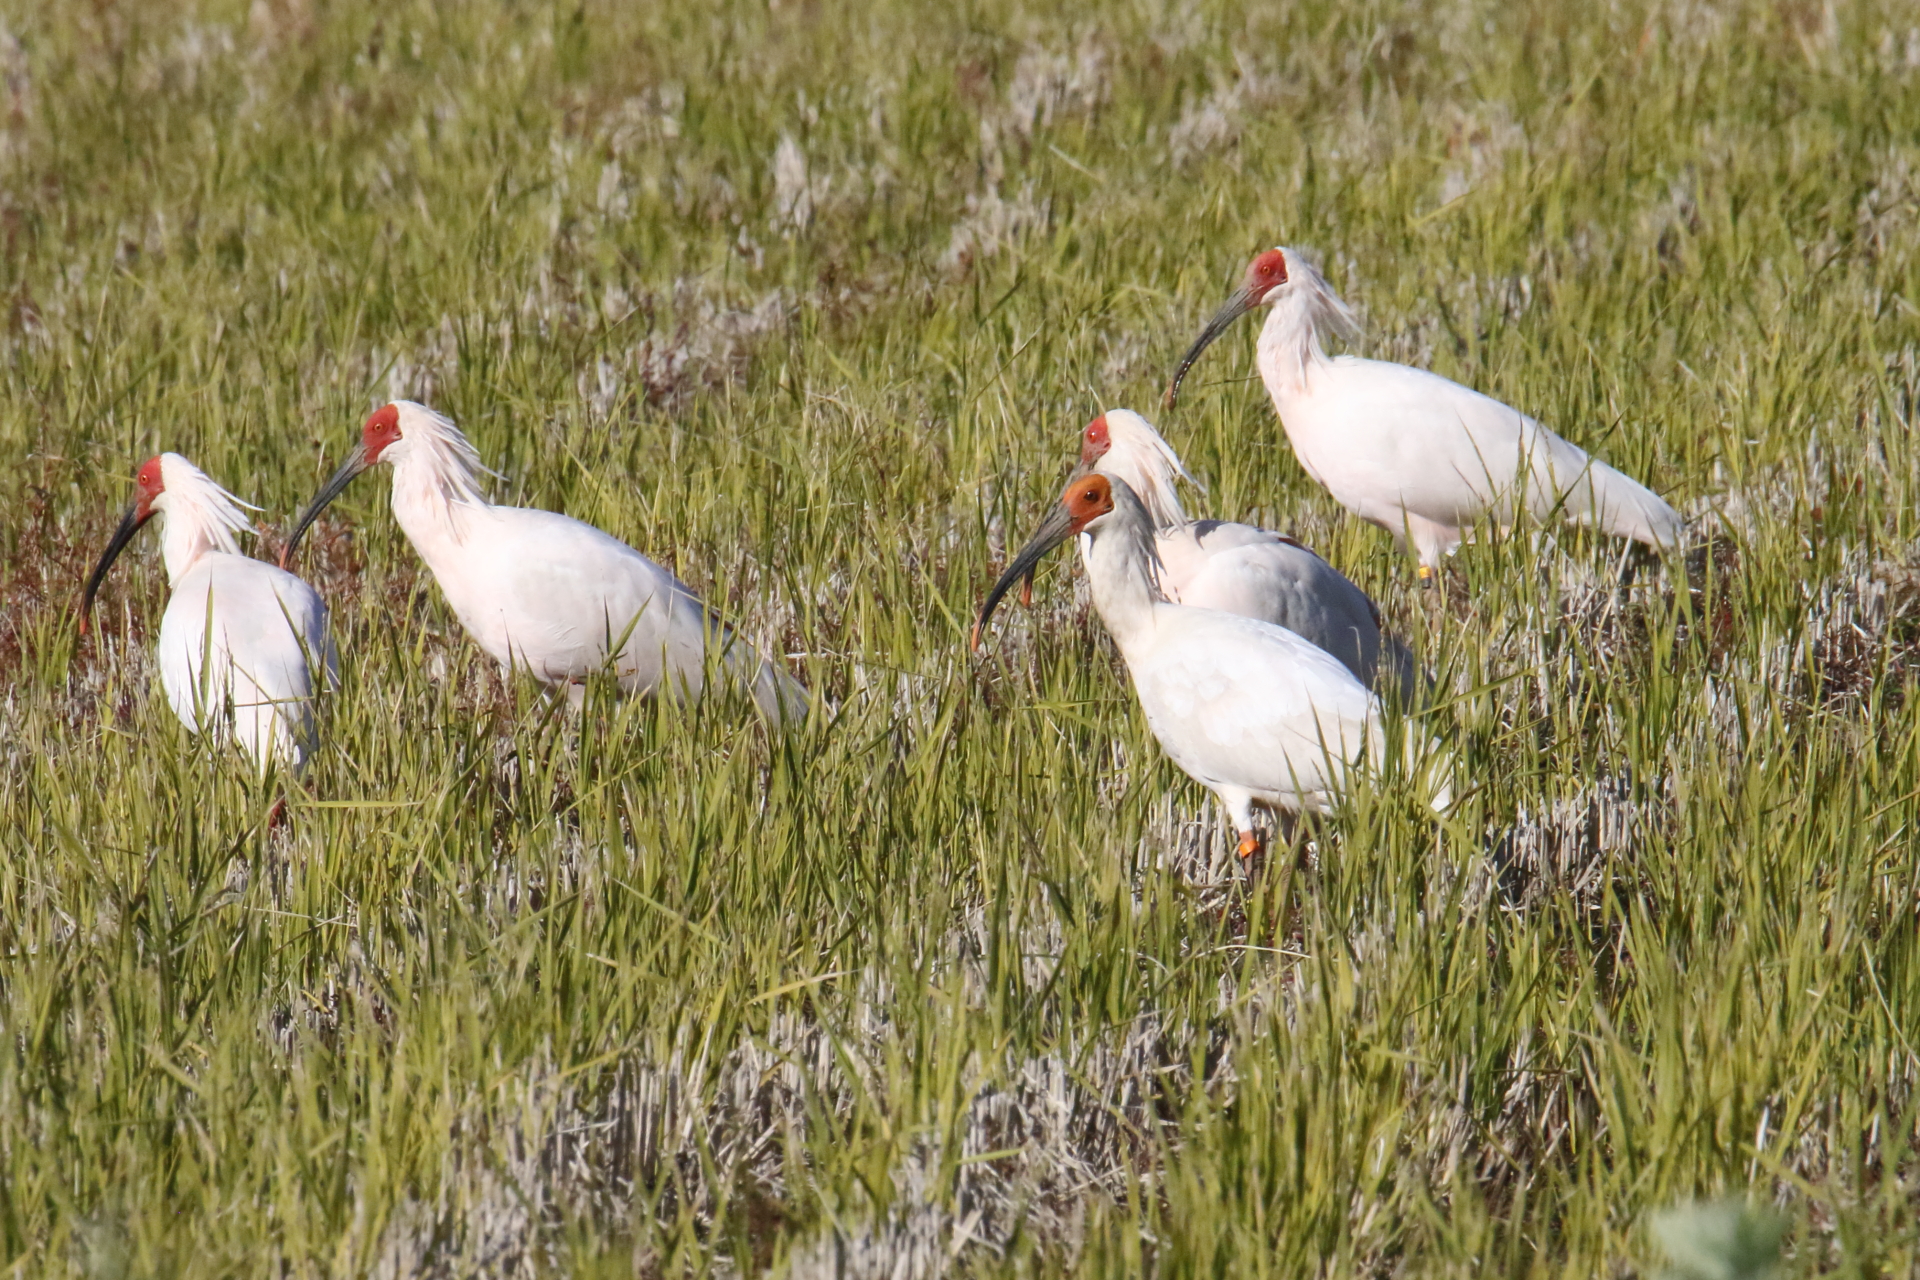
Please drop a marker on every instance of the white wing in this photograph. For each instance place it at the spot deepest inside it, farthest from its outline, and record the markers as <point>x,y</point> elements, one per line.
<point>557,596</point>
<point>1243,704</point>
<point>1388,440</point>
<point>1239,569</point>
<point>239,646</point>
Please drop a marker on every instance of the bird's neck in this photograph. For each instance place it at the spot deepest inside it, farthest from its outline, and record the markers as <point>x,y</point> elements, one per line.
<point>435,496</point>
<point>1290,348</point>
<point>188,537</point>
<point>1124,571</point>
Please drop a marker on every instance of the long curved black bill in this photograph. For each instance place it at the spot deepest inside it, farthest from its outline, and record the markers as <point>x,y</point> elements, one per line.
<point>129,525</point>
<point>356,463</point>
<point>1238,305</point>
<point>1054,530</point>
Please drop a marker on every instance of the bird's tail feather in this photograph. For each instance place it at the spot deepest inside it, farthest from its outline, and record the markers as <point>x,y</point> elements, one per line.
<point>1625,508</point>
<point>780,697</point>
<point>1398,674</point>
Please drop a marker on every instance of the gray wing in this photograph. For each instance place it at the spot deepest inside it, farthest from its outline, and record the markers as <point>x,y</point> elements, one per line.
<point>1239,569</point>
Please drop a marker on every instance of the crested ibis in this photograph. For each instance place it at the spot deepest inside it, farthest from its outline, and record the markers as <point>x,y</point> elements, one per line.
<point>241,641</point>
<point>1415,453</point>
<point>543,592</point>
<point>1249,710</point>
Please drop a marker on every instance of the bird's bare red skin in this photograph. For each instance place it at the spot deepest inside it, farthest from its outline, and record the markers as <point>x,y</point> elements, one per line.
<point>1265,273</point>
<point>151,485</point>
<point>382,429</point>
<point>1094,441</point>
<point>1087,500</point>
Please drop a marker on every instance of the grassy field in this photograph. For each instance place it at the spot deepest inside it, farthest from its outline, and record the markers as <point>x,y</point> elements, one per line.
<point>808,301</point>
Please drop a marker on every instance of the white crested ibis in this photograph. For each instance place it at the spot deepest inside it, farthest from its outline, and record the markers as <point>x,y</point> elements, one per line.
<point>1247,709</point>
<point>1415,453</point>
<point>1216,564</point>
<point>241,641</point>
<point>542,592</point>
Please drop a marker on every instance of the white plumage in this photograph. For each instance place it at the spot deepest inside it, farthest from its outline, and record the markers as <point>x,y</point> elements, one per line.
<point>241,640</point>
<point>1238,568</point>
<point>1250,710</point>
<point>543,592</point>
<point>1421,456</point>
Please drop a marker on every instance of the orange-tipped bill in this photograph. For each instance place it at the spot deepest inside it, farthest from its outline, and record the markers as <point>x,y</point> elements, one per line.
<point>1267,272</point>
<point>1054,530</point>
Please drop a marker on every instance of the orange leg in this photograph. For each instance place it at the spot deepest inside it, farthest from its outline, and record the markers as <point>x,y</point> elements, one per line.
<point>1251,847</point>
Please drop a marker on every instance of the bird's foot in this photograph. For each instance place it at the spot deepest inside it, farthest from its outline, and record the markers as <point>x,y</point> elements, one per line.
<point>1250,850</point>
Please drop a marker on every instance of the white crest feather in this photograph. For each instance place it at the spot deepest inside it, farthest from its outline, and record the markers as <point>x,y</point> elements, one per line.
<point>200,515</point>
<point>1140,457</point>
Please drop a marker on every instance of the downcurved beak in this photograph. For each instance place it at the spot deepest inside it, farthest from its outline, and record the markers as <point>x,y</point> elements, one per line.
<point>356,463</point>
<point>1054,530</point>
<point>129,525</point>
<point>1236,306</point>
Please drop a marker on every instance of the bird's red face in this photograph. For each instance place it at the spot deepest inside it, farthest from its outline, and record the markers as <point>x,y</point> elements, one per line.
<point>1265,274</point>
<point>1086,500</point>
<point>382,429</point>
<point>149,484</point>
<point>1095,441</point>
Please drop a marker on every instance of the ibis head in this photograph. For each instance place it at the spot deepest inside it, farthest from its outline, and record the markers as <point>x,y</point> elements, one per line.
<point>1265,274</point>
<point>152,487</point>
<point>1095,441</point>
<point>1085,500</point>
<point>201,517</point>
<point>1122,445</point>
<point>380,435</point>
